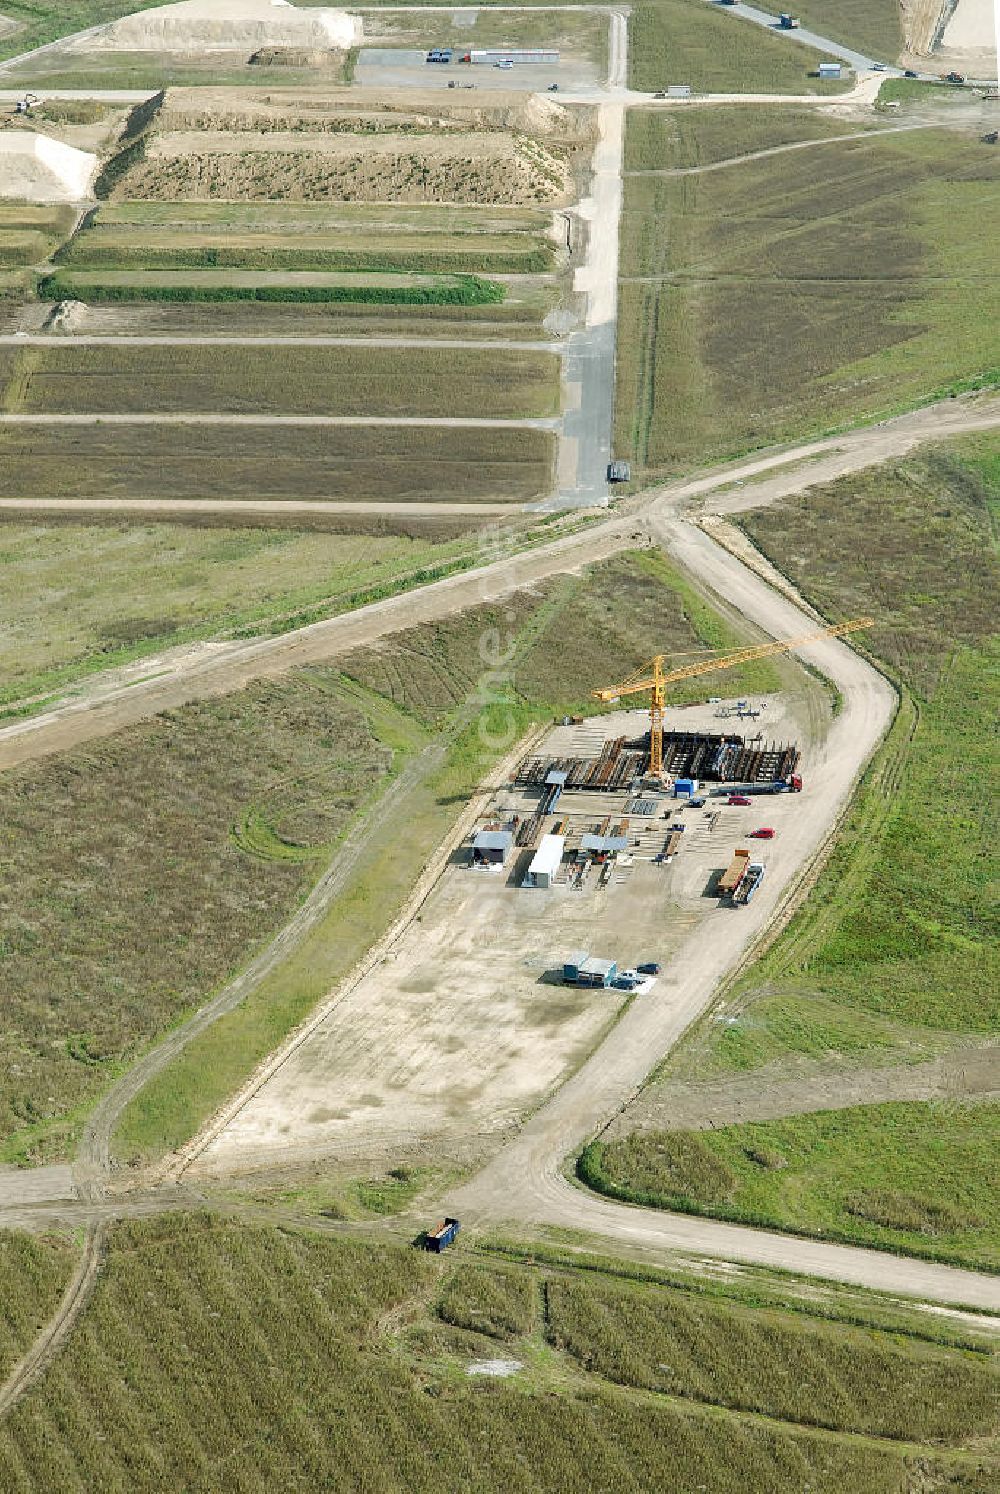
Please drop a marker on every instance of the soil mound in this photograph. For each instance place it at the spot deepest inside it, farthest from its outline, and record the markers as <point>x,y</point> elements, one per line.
<point>36,168</point>
<point>230,25</point>
<point>284,165</point>
<point>66,316</point>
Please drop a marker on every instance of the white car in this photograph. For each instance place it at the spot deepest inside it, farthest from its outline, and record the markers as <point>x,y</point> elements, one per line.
<point>505,63</point>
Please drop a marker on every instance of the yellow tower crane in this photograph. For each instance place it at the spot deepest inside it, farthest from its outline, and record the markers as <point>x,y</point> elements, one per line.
<point>652,677</point>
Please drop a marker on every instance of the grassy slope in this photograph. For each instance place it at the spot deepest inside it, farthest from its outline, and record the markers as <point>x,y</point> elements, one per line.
<point>771,312</point>
<point>896,949</point>
<point>160,859</point>
<point>437,674</point>
<point>298,380</point>
<point>305,1361</point>
<point>34,1271</point>
<point>686,41</point>
<point>87,597</point>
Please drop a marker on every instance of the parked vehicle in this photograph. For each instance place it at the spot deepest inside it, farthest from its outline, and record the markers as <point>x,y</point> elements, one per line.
<point>764,833</point>
<point>649,968</point>
<point>738,799</point>
<point>505,62</point>
<point>696,804</point>
<point>909,73</point>
<point>878,67</point>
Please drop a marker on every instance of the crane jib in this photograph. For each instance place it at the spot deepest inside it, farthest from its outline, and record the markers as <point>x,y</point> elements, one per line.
<point>653,677</point>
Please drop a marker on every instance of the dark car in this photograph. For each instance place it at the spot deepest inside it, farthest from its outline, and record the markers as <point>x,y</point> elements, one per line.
<point>909,73</point>
<point>650,968</point>
<point>696,804</point>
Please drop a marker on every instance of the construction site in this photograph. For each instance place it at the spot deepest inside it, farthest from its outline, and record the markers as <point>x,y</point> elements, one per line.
<point>496,642</point>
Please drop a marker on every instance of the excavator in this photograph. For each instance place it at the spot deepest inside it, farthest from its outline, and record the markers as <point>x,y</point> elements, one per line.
<point>652,677</point>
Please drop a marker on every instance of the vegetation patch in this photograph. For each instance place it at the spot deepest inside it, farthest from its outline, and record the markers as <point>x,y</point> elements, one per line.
<point>901,1176</point>
<point>34,1272</point>
<point>362,1386</point>
<point>623,610</point>
<point>686,41</point>
<point>842,1378</point>
<point>137,900</point>
<point>354,381</point>
<point>353,464</point>
<point>82,597</point>
<point>460,290</point>
<point>870,26</point>
<point>710,261</point>
<point>652,1166</point>
<point>680,139</point>
<point>496,1300</point>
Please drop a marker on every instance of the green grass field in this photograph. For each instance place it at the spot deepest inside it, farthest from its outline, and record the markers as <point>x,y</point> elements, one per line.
<point>161,859</point>
<point>359,464</point>
<point>34,1272</point>
<point>305,1361</point>
<point>368,380</point>
<point>789,257</point>
<point>686,41</point>
<point>308,236</point>
<point>371,287</point>
<point>680,139</point>
<point>870,26</point>
<point>44,21</point>
<point>903,1177</point>
<point>79,597</point>
<point>894,956</point>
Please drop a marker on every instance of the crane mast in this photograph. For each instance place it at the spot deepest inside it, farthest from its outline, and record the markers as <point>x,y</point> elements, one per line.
<point>653,678</point>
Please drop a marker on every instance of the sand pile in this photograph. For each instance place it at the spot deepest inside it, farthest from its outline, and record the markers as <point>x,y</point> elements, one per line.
<point>229,26</point>
<point>35,168</point>
<point>971,30</point>
<point>66,316</point>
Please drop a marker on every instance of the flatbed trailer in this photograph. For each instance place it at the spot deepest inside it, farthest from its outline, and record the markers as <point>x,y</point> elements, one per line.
<point>734,874</point>
<point>791,785</point>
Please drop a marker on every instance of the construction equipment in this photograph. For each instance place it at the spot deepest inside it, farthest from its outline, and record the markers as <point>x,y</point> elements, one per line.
<point>25,105</point>
<point>653,678</point>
